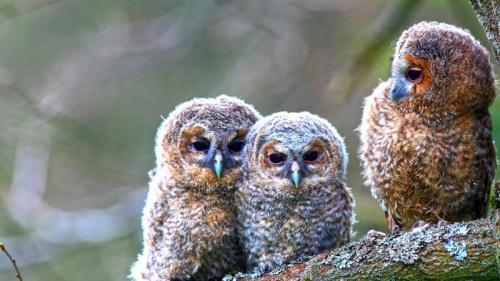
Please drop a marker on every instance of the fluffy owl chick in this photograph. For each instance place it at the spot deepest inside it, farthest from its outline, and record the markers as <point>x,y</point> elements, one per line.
<point>426,143</point>
<point>292,200</point>
<point>189,217</point>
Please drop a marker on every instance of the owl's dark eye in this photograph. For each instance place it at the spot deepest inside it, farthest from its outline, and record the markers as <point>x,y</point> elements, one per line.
<point>236,145</point>
<point>277,158</point>
<point>414,74</point>
<point>310,156</point>
<point>201,145</point>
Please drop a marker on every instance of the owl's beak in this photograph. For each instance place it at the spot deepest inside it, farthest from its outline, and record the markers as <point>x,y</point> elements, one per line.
<point>295,173</point>
<point>398,92</point>
<point>218,163</point>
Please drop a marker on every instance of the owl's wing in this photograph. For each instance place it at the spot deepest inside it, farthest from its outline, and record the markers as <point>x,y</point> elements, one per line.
<point>371,128</point>
<point>485,160</point>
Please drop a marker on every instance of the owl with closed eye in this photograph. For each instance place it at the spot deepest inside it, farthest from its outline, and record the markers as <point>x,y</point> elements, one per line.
<point>189,220</point>
<point>292,199</point>
<point>426,143</point>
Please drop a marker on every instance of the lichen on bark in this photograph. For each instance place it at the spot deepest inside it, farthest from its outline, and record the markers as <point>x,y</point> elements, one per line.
<point>459,251</point>
<point>488,13</point>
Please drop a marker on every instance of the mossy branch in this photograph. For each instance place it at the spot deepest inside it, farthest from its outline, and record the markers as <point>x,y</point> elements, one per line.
<point>460,251</point>
<point>488,13</point>
<point>12,260</point>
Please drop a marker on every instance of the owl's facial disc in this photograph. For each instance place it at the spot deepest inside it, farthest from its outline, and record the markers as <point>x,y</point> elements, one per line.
<point>295,165</point>
<point>213,151</point>
<point>411,77</point>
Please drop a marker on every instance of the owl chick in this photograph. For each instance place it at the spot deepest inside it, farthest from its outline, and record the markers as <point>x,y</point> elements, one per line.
<point>292,200</point>
<point>426,143</point>
<point>189,220</point>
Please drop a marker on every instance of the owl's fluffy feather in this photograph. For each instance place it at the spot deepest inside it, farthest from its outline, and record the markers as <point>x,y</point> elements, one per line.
<point>189,217</point>
<point>279,222</point>
<point>430,155</point>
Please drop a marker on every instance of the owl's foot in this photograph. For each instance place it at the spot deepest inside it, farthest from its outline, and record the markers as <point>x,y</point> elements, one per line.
<point>258,271</point>
<point>441,223</point>
<point>419,226</point>
<point>396,230</point>
<point>374,234</point>
<point>391,223</point>
<point>267,263</point>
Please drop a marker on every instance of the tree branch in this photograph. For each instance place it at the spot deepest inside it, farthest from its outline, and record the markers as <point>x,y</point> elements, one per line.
<point>457,251</point>
<point>488,13</point>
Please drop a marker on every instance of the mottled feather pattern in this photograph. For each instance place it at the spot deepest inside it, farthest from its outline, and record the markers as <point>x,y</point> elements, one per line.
<point>279,222</point>
<point>430,156</point>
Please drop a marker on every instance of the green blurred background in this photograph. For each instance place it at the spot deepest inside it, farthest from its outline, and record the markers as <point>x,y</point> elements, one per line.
<point>83,85</point>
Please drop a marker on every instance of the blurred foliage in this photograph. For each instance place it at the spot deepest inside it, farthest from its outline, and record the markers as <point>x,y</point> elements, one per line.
<point>83,85</point>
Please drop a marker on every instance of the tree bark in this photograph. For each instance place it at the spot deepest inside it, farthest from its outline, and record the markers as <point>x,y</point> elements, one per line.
<point>488,13</point>
<point>460,251</point>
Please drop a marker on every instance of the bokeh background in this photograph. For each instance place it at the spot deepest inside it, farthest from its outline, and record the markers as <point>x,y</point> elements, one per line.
<point>83,86</point>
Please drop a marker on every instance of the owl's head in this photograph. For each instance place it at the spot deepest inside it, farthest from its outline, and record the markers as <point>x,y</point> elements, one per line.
<point>439,68</point>
<point>294,152</point>
<point>201,142</point>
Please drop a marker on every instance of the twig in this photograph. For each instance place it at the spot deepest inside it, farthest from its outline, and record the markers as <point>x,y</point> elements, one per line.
<point>13,261</point>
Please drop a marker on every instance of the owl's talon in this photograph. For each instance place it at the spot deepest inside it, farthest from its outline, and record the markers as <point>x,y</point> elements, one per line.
<point>391,223</point>
<point>396,230</point>
<point>441,223</point>
<point>374,234</point>
<point>419,226</point>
